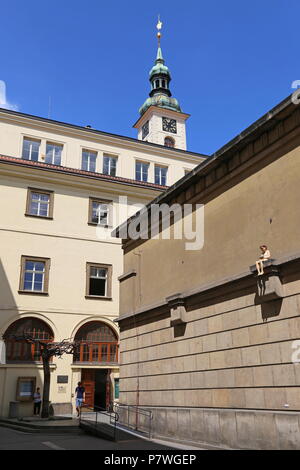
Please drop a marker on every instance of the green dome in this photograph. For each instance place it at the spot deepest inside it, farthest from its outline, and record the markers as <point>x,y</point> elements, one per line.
<point>160,94</point>
<point>159,69</point>
<point>161,101</point>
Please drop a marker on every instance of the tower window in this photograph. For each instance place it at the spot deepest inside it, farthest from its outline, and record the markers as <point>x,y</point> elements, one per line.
<point>164,83</point>
<point>145,129</point>
<point>157,83</point>
<point>169,142</point>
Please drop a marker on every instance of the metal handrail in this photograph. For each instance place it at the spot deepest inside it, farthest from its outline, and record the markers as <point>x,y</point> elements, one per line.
<point>113,417</point>
<point>138,411</point>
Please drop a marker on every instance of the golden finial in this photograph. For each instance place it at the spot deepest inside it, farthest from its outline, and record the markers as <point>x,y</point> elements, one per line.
<point>159,26</point>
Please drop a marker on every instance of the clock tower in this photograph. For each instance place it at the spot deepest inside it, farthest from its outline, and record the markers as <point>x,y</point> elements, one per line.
<point>161,121</point>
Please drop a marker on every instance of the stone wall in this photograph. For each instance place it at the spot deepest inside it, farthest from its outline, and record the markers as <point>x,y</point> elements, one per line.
<point>237,429</point>
<point>229,365</point>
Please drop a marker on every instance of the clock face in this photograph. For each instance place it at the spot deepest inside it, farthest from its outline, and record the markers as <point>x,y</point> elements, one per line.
<point>145,129</point>
<point>169,125</point>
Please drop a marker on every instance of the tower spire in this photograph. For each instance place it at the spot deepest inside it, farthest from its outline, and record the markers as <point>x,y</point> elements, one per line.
<point>160,77</point>
<point>159,26</point>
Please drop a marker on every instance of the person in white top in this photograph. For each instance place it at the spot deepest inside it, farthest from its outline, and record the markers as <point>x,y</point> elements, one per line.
<point>37,399</point>
<point>265,255</point>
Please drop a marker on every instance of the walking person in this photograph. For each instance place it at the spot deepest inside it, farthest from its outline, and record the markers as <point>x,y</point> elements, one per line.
<point>80,395</point>
<point>37,400</point>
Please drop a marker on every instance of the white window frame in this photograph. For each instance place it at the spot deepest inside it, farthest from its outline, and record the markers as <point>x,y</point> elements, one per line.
<point>142,163</point>
<point>34,272</point>
<point>110,158</point>
<point>53,152</point>
<point>160,167</point>
<point>90,153</point>
<point>31,140</point>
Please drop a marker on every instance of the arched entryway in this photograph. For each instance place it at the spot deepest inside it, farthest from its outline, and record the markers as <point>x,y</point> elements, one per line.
<point>22,351</point>
<point>97,348</point>
<point>98,344</point>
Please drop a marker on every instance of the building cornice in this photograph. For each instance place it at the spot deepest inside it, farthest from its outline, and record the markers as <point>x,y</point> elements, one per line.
<point>161,111</point>
<point>74,130</point>
<point>48,168</point>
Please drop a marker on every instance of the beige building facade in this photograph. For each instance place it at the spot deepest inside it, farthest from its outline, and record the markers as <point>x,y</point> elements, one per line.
<point>208,346</point>
<point>63,187</point>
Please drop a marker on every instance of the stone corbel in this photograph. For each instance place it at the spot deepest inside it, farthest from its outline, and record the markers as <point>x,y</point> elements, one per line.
<point>269,285</point>
<point>177,309</point>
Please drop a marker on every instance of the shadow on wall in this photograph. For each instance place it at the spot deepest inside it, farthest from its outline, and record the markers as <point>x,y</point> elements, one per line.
<point>271,309</point>
<point>10,376</point>
<point>7,300</point>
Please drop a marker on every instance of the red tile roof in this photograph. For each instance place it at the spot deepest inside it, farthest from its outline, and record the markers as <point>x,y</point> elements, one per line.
<point>74,171</point>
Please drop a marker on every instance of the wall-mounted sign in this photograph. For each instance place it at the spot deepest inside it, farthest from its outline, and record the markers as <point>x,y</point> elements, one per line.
<point>62,379</point>
<point>25,388</point>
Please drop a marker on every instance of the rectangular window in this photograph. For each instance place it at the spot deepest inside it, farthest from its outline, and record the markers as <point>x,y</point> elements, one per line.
<point>141,171</point>
<point>109,165</point>
<point>31,149</point>
<point>89,160</point>
<point>161,175</point>
<point>39,203</point>
<point>98,280</point>
<point>100,212</point>
<point>53,153</point>
<point>34,275</point>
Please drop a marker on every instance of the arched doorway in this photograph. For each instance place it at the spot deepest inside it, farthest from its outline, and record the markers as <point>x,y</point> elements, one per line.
<point>97,348</point>
<point>21,350</point>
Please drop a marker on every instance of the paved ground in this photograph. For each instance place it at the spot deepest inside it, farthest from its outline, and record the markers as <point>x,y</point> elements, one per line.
<point>15,440</point>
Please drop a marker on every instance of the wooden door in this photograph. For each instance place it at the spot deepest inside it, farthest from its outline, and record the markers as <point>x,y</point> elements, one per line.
<point>88,381</point>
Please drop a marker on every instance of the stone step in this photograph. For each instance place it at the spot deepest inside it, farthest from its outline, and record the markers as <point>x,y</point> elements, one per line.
<point>18,428</point>
<point>35,427</point>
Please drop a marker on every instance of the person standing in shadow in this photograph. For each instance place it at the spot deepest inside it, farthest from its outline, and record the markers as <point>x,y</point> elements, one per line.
<point>37,400</point>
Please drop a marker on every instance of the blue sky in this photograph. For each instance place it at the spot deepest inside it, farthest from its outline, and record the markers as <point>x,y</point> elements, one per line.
<point>231,61</point>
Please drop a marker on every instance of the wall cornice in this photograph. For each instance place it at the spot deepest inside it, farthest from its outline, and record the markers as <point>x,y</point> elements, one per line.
<point>213,290</point>
<point>11,166</point>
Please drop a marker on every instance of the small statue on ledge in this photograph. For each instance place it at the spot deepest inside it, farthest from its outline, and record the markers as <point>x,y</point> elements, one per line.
<point>265,255</point>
